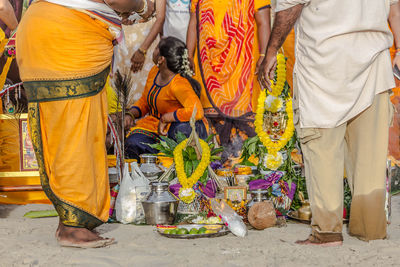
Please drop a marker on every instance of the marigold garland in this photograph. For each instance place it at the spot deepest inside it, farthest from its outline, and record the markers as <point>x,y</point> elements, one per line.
<point>277,87</point>
<point>273,146</point>
<point>274,105</point>
<point>273,162</point>
<point>186,193</point>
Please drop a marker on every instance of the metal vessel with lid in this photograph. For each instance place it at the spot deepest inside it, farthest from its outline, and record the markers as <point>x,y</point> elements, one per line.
<point>258,195</point>
<point>149,167</point>
<point>160,206</point>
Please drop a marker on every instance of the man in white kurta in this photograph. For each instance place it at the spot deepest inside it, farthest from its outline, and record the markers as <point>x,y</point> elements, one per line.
<point>342,77</point>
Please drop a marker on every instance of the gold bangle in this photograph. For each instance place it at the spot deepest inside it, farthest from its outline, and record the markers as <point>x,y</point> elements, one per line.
<point>130,115</point>
<point>144,8</point>
<point>262,55</point>
<point>143,51</point>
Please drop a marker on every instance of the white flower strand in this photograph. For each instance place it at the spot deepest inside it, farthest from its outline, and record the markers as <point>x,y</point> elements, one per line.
<point>185,68</point>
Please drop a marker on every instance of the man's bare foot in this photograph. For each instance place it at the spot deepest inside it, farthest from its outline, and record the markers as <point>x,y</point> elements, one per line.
<point>80,237</point>
<point>60,225</point>
<point>312,240</point>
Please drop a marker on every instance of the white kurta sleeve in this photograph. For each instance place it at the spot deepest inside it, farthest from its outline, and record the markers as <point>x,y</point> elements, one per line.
<point>285,4</point>
<point>392,2</point>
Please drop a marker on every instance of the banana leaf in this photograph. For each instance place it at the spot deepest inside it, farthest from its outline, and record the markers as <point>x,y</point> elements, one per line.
<point>41,214</point>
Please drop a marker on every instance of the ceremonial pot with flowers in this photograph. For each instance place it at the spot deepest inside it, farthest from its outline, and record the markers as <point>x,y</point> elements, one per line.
<point>274,126</point>
<point>271,148</point>
<point>274,117</point>
<point>192,157</point>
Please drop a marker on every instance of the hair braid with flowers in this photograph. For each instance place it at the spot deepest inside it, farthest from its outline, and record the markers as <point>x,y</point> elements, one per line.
<point>176,55</point>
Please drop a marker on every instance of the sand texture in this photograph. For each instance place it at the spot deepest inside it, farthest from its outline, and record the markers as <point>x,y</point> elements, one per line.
<point>31,242</point>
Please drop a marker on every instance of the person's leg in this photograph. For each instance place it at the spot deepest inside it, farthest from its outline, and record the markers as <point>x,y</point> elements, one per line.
<point>137,144</point>
<point>74,174</point>
<point>201,130</point>
<point>323,155</point>
<point>67,115</point>
<point>184,127</point>
<point>367,146</point>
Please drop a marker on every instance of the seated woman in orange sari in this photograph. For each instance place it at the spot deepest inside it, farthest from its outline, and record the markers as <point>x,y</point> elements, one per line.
<point>168,100</point>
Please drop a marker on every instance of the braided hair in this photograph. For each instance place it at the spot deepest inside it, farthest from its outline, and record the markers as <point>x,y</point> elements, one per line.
<point>176,55</point>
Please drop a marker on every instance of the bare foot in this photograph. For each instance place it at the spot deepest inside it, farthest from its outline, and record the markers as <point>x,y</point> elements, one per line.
<point>80,237</point>
<point>312,240</point>
<point>60,225</point>
<point>58,228</point>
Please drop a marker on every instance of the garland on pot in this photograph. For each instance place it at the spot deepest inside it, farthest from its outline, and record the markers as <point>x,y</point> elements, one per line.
<point>271,149</point>
<point>186,192</point>
<point>192,157</point>
<point>274,102</point>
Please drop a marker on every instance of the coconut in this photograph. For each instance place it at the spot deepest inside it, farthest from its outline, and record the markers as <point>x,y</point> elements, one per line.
<point>262,215</point>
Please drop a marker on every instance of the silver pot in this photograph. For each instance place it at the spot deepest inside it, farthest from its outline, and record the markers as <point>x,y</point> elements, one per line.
<point>160,206</point>
<point>258,195</point>
<point>149,167</point>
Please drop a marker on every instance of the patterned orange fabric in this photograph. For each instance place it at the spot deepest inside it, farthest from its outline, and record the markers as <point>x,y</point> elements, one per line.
<point>226,56</point>
<point>394,130</point>
<point>177,96</point>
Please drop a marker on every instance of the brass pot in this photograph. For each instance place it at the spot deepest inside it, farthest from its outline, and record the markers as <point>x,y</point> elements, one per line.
<point>304,212</point>
<point>275,124</point>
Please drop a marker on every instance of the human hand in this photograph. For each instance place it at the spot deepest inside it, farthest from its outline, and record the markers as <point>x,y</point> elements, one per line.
<point>114,117</point>
<point>125,19</point>
<point>129,121</point>
<point>258,64</point>
<point>162,128</point>
<point>266,71</point>
<point>137,61</point>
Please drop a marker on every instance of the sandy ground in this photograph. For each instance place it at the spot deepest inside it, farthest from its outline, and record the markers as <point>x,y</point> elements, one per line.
<point>30,242</point>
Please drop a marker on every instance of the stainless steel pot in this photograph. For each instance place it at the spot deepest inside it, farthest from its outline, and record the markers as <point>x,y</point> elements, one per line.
<point>258,195</point>
<point>160,206</point>
<point>149,167</point>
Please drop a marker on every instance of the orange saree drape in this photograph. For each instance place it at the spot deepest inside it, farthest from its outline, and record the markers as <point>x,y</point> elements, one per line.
<point>64,57</point>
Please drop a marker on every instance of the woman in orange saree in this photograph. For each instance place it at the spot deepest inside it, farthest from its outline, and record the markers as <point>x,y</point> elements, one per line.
<point>64,52</point>
<point>168,100</point>
<point>231,37</point>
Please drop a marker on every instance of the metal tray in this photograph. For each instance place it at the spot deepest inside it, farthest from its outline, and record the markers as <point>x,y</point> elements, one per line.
<point>224,231</point>
<point>294,216</point>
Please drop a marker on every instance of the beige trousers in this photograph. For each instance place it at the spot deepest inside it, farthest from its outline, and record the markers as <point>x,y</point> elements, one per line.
<point>360,146</point>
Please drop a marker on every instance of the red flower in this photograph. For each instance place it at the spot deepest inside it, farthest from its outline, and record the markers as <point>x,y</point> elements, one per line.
<point>210,214</point>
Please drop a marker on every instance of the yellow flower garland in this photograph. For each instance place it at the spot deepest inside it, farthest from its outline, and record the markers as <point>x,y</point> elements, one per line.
<point>273,162</point>
<point>274,146</point>
<point>186,193</point>
<point>273,103</point>
<point>277,87</point>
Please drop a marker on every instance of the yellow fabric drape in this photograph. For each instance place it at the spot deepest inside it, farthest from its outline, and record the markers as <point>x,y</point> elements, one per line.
<point>79,175</point>
<point>68,53</point>
<point>60,43</point>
